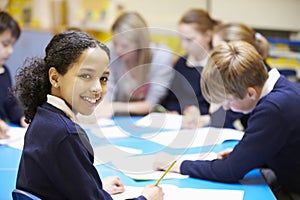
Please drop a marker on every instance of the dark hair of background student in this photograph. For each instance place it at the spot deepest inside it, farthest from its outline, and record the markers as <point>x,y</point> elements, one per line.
<point>9,23</point>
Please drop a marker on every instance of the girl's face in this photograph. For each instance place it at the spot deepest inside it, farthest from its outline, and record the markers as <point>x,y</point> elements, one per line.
<point>6,46</point>
<point>85,83</point>
<point>125,49</point>
<point>193,41</point>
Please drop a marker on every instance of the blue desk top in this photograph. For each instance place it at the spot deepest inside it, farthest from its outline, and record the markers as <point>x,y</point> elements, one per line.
<point>253,184</point>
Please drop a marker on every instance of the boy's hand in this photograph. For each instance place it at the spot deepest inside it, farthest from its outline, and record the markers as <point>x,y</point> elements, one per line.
<point>163,160</point>
<point>224,154</point>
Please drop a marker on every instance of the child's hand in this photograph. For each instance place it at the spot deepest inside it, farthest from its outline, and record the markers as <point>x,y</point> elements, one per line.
<point>113,185</point>
<point>163,160</point>
<point>224,154</point>
<point>3,130</point>
<point>193,119</point>
<point>152,192</point>
<point>191,116</point>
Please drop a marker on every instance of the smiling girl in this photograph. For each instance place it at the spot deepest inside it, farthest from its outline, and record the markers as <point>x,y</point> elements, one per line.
<point>57,159</point>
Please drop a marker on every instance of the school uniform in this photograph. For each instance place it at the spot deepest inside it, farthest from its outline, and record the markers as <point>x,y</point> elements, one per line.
<point>271,139</point>
<point>185,89</point>
<point>57,158</point>
<point>10,109</point>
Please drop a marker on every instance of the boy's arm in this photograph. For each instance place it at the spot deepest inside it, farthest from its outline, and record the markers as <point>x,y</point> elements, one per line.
<point>262,140</point>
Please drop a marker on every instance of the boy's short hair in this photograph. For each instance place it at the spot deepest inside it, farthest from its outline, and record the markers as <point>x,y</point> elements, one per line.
<point>7,22</point>
<point>230,70</point>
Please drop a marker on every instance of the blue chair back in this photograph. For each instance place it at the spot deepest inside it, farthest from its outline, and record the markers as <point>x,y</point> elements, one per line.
<point>18,194</point>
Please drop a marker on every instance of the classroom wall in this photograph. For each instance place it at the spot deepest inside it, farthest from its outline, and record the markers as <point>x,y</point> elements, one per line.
<point>164,13</point>
<point>99,14</point>
<point>264,14</point>
<point>30,44</point>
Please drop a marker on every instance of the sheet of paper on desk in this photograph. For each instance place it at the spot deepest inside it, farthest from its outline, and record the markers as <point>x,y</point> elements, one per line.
<point>147,172</point>
<point>105,122</point>
<point>109,132</point>
<point>173,192</point>
<point>196,137</point>
<point>201,156</point>
<point>155,175</point>
<point>112,153</point>
<point>161,120</point>
<point>16,137</point>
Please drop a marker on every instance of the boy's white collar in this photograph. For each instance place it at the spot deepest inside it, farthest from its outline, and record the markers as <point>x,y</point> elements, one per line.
<point>61,104</point>
<point>270,83</point>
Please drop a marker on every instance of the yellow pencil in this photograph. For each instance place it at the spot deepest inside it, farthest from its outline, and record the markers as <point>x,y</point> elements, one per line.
<point>167,170</point>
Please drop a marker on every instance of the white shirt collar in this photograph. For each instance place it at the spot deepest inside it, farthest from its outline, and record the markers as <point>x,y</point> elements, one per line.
<point>192,62</point>
<point>270,83</point>
<point>2,70</point>
<point>61,104</point>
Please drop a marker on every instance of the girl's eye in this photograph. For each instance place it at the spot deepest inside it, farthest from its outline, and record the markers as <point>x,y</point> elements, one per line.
<point>188,39</point>
<point>5,44</point>
<point>104,79</point>
<point>86,76</point>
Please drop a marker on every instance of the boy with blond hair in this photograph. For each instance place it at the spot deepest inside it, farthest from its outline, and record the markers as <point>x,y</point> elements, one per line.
<point>236,77</point>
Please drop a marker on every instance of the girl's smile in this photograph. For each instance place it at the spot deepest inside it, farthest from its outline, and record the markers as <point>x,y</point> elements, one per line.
<point>85,83</point>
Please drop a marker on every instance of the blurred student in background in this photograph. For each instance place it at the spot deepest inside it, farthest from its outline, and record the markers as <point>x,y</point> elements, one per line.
<point>140,70</point>
<point>195,29</point>
<point>239,31</point>
<point>10,110</point>
<point>185,97</point>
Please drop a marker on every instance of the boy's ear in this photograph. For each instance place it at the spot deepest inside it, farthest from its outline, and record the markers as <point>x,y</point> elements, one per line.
<point>252,93</point>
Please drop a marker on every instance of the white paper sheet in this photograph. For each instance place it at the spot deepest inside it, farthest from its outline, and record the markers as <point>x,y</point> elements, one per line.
<point>145,171</point>
<point>105,122</point>
<point>201,156</point>
<point>172,192</point>
<point>113,153</point>
<point>155,175</point>
<point>109,132</point>
<point>16,137</point>
<point>91,121</point>
<point>189,138</point>
<point>101,152</point>
<point>161,120</point>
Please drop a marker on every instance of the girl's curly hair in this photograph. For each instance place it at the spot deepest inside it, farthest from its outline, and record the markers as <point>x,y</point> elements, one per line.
<point>32,80</point>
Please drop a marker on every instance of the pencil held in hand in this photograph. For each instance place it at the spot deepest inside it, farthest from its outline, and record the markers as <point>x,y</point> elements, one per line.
<point>164,174</point>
